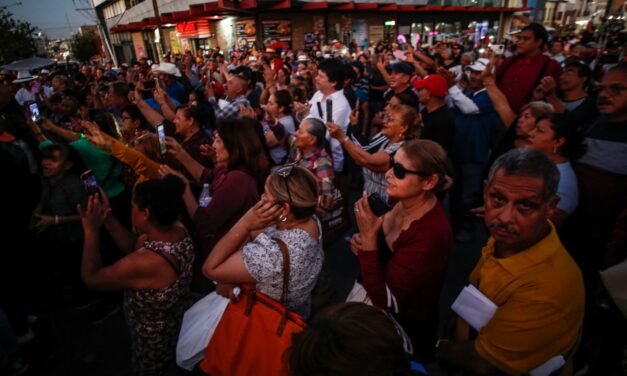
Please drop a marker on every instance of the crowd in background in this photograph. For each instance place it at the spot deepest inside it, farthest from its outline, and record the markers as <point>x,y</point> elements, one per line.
<point>202,161</point>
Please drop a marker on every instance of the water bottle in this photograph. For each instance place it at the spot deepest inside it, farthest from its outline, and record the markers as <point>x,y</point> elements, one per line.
<point>205,196</point>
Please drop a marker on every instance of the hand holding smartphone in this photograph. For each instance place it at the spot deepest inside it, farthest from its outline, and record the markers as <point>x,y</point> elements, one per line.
<point>377,205</point>
<point>89,180</point>
<point>33,109</point>
<point>162,145</point>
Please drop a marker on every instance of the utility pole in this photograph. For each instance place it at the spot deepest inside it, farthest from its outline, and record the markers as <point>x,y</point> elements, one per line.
<point>161,50</point>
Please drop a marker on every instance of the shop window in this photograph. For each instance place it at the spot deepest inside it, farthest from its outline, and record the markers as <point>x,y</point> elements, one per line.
<point>114,9</point>
<point>132,3</point>
<point>389,31</point>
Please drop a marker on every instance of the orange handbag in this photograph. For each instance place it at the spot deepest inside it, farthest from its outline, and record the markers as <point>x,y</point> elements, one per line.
<point>254,333</point>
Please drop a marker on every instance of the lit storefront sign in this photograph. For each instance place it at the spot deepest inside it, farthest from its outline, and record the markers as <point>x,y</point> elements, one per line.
<point>194,29</point>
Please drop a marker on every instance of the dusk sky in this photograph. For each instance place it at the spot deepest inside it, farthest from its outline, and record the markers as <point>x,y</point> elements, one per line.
<point>50,15</point>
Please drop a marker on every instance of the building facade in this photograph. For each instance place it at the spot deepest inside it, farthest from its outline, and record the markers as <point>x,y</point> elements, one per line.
<point>131,26</point>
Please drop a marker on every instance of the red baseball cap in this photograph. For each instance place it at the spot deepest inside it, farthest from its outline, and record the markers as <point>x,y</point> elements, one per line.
<point>434,83</point>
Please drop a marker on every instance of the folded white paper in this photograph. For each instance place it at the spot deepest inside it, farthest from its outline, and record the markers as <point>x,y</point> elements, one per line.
<point>474,307</point>
<point>477,310</point>
<point>615,280</point>
<point>549,367</point>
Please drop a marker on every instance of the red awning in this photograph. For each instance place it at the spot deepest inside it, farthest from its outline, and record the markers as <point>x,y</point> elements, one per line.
<point>194,20</point>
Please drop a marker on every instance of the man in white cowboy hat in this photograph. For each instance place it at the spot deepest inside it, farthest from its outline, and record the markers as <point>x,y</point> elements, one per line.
<point>46,83</point>
<point>168,74</point>
<point>26,92</point>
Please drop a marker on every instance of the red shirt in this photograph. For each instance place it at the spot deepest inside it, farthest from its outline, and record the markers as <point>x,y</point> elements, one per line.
<point>517,77</point>
<point>414,271</point>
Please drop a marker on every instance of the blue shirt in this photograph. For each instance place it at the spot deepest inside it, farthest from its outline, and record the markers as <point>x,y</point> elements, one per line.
<point>567,188</point>
<point>176,91</point>
<point>476,134</point>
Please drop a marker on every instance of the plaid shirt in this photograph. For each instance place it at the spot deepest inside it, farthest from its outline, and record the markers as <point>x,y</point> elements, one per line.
<point>320,164</point>
<point>231,110</point>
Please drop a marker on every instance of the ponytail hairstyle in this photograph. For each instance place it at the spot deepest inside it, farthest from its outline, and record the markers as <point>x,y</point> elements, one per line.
<point>410,117</point>
<point>563,126</point>
<point>283,99</point>
<point>430,157</point>
<point>298,187</point>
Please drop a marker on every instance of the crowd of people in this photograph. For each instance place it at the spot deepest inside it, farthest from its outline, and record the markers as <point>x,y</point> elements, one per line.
<point>171,180</point>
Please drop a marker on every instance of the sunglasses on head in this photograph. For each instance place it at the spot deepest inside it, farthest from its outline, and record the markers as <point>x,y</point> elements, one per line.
<point>284,172</point>
<point>400,171</point>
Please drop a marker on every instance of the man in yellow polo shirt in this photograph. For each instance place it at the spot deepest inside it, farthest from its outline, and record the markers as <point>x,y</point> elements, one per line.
<point>525,271</point>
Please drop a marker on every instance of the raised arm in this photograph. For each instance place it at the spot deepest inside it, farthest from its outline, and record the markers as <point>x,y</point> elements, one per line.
<point>48,125</point>
<point>194,167</point>
<point>499,101</point>
<point>167,106</point>
<point>153,117</point>
<point>377,162</point>
<point>138,161</point>
<point>424,58</point>
<point>383,71</point>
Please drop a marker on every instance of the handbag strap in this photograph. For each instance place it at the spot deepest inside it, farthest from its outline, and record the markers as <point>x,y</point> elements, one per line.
<point>286,269</point>
<point>286,283</point>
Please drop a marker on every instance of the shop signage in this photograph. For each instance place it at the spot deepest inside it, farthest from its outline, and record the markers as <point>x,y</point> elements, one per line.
<point>277,31</point>
<point>193,29</point>
<point>245,32</point>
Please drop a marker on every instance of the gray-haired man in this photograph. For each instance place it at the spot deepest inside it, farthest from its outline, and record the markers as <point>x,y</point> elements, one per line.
<point>524,270</point>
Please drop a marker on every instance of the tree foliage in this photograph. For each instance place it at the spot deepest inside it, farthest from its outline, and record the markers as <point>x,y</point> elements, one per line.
<point>84,46</point>
<point>16,38</point>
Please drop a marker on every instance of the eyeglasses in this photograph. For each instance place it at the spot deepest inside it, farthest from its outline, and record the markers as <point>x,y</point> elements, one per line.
<point>400,171</point>
<point>613,90</point>
<point>284,172</point>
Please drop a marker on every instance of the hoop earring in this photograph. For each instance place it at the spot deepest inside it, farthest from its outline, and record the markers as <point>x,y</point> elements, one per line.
<point>283,218</point>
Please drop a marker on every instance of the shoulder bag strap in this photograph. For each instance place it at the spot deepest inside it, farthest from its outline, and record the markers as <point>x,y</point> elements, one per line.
<point>286,269</point>
<point>286,278</point>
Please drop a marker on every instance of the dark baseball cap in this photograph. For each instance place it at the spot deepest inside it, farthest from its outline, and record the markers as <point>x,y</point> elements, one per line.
<point>401,67</point>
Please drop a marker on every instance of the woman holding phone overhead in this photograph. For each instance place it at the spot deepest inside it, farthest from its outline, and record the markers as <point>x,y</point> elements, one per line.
<point>405,252</point>
<point>241,167</point>
<point>155,274</point>
<point>401,123</point>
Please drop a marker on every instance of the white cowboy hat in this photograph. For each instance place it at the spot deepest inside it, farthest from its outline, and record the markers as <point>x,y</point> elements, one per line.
<point>479,65</point>
<point>24,76</point>
<point>168,68</point>
<point>303,58</point>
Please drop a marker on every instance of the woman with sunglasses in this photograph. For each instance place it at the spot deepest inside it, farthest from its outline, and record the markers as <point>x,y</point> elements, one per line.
<point>401,123</point>
<point>284,213</point>
<point>405,252</point>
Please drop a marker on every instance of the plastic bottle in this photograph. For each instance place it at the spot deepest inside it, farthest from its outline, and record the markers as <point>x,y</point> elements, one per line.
<point>205,196</point>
